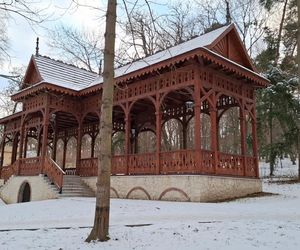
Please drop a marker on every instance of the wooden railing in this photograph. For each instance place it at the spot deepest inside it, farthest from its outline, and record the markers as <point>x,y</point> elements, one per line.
<point>8,171</point>
<point>207,165</point>
<point>178,162</point>
<point>70,171</point>
<point>54,172</point>
<point>88,167</point>
<point>250,165</point>
<point>142,163</point>
<point>30,166</point>
<point>119,165</point>
<point>175,162</point>
<point>230,164</point>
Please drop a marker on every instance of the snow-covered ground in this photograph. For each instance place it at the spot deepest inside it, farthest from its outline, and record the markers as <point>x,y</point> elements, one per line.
<point>269,222</point>
<point>283,169</point>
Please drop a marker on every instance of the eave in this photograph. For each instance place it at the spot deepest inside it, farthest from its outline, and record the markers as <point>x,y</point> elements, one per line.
<point>222,62</point>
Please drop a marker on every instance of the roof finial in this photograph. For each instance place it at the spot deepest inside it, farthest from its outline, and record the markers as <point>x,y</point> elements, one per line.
<point>228,16</point>
<point>37,47</point>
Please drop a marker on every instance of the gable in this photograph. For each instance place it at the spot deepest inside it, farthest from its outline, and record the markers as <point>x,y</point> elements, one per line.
<point>32,75</point>
<point>230,46</point>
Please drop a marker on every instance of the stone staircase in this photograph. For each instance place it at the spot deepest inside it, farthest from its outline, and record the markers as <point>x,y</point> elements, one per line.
<point>74,187</point>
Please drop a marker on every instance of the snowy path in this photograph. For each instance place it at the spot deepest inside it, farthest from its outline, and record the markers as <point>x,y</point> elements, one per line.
<point>271,222</point>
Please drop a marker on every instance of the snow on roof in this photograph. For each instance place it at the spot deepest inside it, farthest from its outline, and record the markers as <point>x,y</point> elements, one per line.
<point>198,42</point>
<point>71,77</point>
<point>62,74</point>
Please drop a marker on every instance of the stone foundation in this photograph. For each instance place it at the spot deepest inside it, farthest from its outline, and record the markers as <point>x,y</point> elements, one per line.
<point>40,189</point>
<point>195,188</point>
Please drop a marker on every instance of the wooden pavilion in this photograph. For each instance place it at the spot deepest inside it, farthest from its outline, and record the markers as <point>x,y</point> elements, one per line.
<point>199,80</point>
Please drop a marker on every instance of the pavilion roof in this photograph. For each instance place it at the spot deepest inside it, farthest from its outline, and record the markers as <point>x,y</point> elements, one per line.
<point>65,76</point>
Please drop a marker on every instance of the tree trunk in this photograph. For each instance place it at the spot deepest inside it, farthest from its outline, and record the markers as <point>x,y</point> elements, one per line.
<point>280,32</point>
<point>101,221</point>
<point>298,57</point>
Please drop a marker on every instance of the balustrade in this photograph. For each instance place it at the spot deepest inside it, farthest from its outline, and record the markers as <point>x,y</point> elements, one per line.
<point>119,164</point>
<point>178,162</point>
<point>230,164</point>
<point>250,164</point>
<point>30,166</point>
<point>53,172</point>
<point>174,162</point>
<point>88,167</point>
<point>207,166</point>
<point>142,163</point>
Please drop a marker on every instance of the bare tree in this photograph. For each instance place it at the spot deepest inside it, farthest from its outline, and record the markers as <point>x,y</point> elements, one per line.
<point>15,79</point>
<point>33,12</point>
<point>180,24</point>
<point>82,48</point>
<point>100,229</point>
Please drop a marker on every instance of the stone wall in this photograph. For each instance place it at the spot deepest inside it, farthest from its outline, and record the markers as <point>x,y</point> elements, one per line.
<point>39,187</point>
<point>196,188</point>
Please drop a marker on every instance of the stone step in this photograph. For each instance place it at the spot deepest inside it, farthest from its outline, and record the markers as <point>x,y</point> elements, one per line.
<point>76,195</point>
<point>74,187</point>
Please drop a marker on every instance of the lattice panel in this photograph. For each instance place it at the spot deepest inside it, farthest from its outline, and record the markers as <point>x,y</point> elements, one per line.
<point>34,102</point>
<point>13,126</point>
<point>158,83</point>
<point>225,101</point>
<point>228,85</point>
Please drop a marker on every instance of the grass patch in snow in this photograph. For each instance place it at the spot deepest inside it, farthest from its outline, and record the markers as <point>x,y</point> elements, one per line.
<point>282,182</point>
<point>255,195</point>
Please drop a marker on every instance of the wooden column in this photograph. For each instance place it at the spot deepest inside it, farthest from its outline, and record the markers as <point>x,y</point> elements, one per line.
<point>14,149</point>
<point>94,136</point>
<point>184,133</point>
<point>93,145</point>
<point>2,150</point>
<point>127,139</point>
<point>54,144</point>
<point>78,148</point>
<point>45,137</point>
<point>22,132</point>
<point>254,141</point>
<point>158,138</point>
<point>214,137</point>
<point>243,138</point>
<point>25,143</point>
<point>197,120</point>
<point>39,142</point>
<point>65,150</point>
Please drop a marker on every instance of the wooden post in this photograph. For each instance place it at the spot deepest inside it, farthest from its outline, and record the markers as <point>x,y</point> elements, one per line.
<point>21,139</point>
<point>65,150</point>
<point>158,138</point>
<point>45,139</point>
<point>184,133</point>
<point>54,144</point>
<point>214,137</point>
<point>94,136</point>
<point>78,149</point>
<point>127,139</point>
<point>254,142</point>
<point>25,144</point>
<point>2,150</point>
<point>243,138</point>
<point>197,119</point>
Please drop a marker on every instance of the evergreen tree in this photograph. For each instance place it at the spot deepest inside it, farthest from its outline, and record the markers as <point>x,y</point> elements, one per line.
<point>278,106</point>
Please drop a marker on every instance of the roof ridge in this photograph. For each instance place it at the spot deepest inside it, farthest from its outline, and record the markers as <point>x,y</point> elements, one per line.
<point>68,64</point>
<point>172,46</point>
